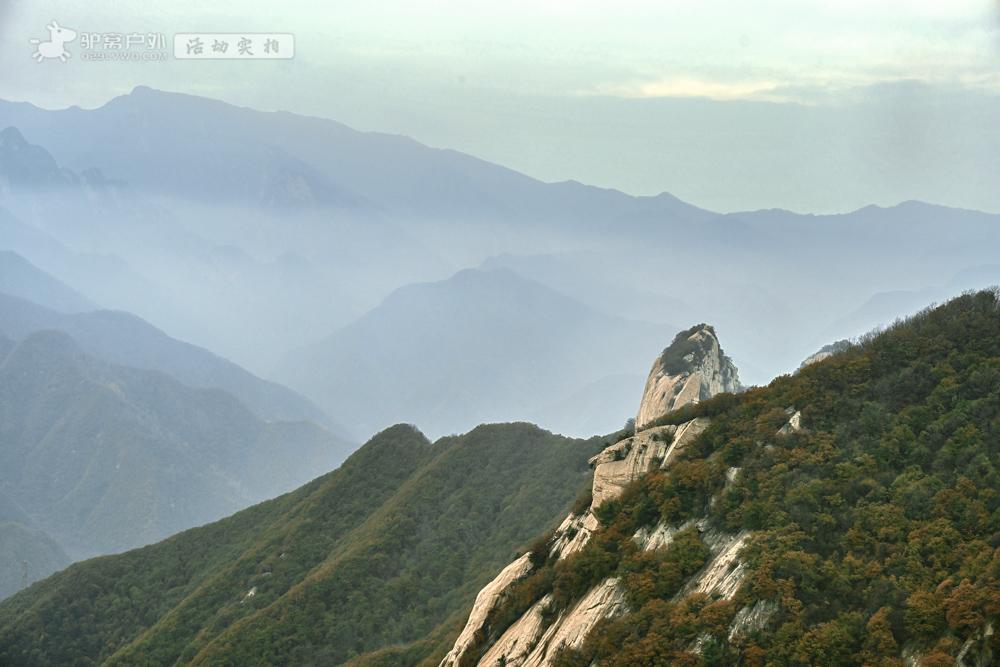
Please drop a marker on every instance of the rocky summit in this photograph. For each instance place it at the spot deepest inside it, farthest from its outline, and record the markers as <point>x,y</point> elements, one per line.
<point>691,369</point>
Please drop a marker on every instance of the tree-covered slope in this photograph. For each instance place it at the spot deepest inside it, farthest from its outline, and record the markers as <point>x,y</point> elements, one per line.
<point>870,518</point>
<point>384,551</point>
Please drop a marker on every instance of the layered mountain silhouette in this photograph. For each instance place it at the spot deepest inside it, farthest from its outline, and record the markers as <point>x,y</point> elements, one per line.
<point>290,226</point>
<point>20,278</point>
<point>125,339</point>
<point>103,457</point>
<point>482,346</point>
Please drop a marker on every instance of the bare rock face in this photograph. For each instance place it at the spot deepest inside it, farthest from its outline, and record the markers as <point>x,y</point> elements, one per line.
<point>692,369</point>
<point>825,352</point>
<point>724,573</point>
<point>624,462</point>
<point>605,600</point>
<point>794,424</point>
<point>487,600</point>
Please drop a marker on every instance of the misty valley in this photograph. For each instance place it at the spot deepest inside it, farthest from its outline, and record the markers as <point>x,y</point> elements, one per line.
<point>277,389</point>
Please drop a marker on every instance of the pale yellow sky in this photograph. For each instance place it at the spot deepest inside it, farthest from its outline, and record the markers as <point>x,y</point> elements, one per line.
<point>631,48</point>
<point>585,89</point>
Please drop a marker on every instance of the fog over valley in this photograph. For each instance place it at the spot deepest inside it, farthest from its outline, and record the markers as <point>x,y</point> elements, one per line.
<point>531,334</point>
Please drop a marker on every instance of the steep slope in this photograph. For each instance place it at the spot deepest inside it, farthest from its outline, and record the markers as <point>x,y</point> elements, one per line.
<point>845,515</point>
<point>20,278</point>
<point>105,457</point>
<point>367,558</point>
<point>826,352</point>
<point>481,346</point>
<point>513,620</point>
<point>125,339</point>
<point>101,277</point>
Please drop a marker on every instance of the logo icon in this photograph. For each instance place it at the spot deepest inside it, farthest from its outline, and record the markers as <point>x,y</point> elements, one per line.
<point>56,46</point>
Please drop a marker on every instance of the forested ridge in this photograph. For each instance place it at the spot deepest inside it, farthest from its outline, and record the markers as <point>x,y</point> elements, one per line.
<point>375,556</point>
<point>873,528</point>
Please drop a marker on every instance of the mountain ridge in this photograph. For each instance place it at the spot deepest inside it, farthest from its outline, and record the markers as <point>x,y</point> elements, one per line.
<point>826,519</point>
<point>392,524</point>
<point>127,339</point>
<point>104,457</point>
<point>419,355</point>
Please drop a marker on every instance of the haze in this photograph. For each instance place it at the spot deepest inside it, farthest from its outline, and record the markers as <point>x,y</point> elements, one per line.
<point>814,106</point>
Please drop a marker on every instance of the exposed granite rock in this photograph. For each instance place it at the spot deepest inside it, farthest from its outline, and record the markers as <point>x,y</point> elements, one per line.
<point>977,651</point>
<point>723,574</point>
<point>486,601</point>
<point>573,533</point>
<point>825,352</point>
<point>528,643</point>
<point>606,600</point>
<point>794,424</point>
<point>650,539</point>
<point>692,369</point>
<point>752,618</point>
<point>626,461</point>
<point>520,639</point>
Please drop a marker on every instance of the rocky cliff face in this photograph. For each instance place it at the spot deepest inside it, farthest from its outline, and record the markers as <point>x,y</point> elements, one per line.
<point>693,368</point>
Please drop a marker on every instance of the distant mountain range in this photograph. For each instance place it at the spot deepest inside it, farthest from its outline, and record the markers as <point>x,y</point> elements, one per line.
<point>103,457</point>
<point>115,435</point>
<point>482,346</point>
<point>85,437</point>
<point>258,234</point>
<point>20,278</point>
<point>185,146</point>
<point>125,339</point>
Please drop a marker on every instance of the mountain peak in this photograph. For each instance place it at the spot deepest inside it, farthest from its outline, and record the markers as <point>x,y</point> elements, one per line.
<point>692,368</point>
<point>11,137</point>
<point>25,162</point>
<point>45,354</point>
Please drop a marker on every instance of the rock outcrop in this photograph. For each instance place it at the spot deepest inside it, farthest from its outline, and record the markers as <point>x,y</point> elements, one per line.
<point>486,601</point>
<point>723,574</point>
<point>692,369</point>
<point>825,352</point>
<point>794,424</point>
<point>626,461</point>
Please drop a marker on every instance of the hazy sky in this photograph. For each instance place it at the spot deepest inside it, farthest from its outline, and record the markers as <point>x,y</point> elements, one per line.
<point>605,92</point>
